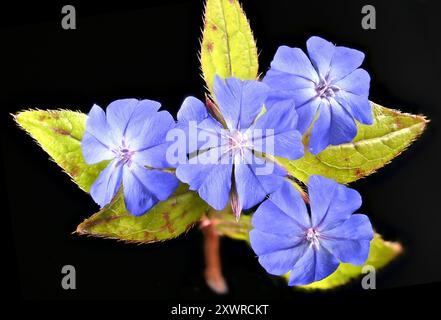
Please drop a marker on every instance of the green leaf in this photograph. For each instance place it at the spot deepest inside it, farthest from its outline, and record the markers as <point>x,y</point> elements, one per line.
<point>228,47</point>
<point>381,253</point>
<point>226,225</point>
<point>59,133</point>
<point>166,220</point>
<point>373,147</point>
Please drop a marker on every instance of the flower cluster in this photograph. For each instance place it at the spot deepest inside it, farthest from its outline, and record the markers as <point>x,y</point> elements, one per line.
<point>230,156</point>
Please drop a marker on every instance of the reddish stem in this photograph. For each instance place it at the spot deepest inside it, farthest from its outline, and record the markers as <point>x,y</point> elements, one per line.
<point>213,268</point>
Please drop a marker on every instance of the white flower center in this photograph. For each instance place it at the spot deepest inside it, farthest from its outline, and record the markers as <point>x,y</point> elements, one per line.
<point>237,142</point>
<point>326,90</point>
<point>312,236</point>
<point>124,154</point>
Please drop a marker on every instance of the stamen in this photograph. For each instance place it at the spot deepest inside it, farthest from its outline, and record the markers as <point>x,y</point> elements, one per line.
<point>312,236</point>
<point>326,90</point>
<point>237,142</point>
<point>124,154</point>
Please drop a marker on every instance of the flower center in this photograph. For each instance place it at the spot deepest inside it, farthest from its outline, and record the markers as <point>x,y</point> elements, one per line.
<point>312,236</point>
<point>326,90</point>
<point>237,141</point>
<point>125,155</point>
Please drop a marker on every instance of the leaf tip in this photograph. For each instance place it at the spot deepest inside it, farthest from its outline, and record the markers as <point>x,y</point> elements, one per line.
<point>19,117</point>
<point>396,247</point>
<point>81,230</point>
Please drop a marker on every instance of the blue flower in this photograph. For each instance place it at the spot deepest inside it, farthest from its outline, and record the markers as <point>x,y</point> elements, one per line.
<point>132,135</point>
<point>287,239</point>
<point>329,84</point>
<point>234,159</point>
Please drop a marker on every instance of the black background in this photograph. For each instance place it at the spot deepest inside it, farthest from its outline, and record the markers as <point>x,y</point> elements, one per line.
<point>149,50</point>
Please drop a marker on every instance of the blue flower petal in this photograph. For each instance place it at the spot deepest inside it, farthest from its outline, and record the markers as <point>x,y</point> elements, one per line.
<point>97,126</point>
<point>343,128</point>
<point>344,61</point>
<point>121,112</point>
<point>359,106</point>
<point>239,101</point>
<point>271,219</point>
<point>294,61</point>
<point>106,185</point>
<point>150,105</point>
<point>320,52</point>
<point>264,243</point>
<point>192,109</point>
<point>211,180</point>
<point>94,151</point>
<point>357,83</point>
<point>286,144</point>
<point>306,114</point>
<point>320,133</point>
<point>137,198</point>
<point>282,81</point>
<point>279,262</point>
<point>154,157</point>
<point>256,178</point>
<point>284,140</point>
<point>201,130</point>
<point>331,203</point>
<point>314,265</point>
<point>275,96</point>
<point>304,96</point>
<point>143,188</point>
<point>147,132</point>
<point>289,200</point>
<point>280,225</point>
<point>350,240</point>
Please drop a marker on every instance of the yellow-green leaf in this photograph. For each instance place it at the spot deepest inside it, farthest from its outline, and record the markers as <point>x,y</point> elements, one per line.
<point>166,220</point>
<point>59,133</point>
<point>381,253</point>
<point>226,225</point>
<point>373,147</point>
<point>228,47</point>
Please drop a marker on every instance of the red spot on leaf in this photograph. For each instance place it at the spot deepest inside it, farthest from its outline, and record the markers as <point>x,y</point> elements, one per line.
<point>168,223</point>
<point>61,131</point>
<point>359,173</point>
<point>213,27</point>
<point>210,46</point>
<point>150,237</point>
<point>75,170</point>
